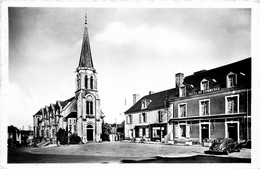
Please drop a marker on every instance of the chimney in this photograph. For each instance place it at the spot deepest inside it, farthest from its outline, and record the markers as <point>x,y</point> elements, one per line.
<point>135,98</point>
<point>179,77</point>
<point>151,92</point>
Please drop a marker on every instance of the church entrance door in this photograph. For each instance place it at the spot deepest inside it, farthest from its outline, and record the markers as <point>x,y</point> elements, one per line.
<point>90,133</point>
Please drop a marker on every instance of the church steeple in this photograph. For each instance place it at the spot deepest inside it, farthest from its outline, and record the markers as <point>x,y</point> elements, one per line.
<point>85,61</point>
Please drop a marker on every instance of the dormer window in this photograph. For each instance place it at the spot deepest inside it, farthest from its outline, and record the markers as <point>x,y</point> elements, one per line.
<point>182,91</point>
<point>145,104</point>
<point>204,85</point>
<point>231,80</point>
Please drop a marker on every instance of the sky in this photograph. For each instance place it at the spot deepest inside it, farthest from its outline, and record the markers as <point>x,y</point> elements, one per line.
<point>134,50</point>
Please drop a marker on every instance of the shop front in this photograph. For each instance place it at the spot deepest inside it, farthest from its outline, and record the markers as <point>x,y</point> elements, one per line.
<point>158,132</point>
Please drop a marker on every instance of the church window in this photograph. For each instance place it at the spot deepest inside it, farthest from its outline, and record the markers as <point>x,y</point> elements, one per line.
<point>86,82</point>
<point>91,82</point>
<point>89,105</point>
<point>78,81</point>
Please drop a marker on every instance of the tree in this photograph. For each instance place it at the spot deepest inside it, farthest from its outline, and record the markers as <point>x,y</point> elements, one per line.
<point>62,136</point>
<point>106,130</point>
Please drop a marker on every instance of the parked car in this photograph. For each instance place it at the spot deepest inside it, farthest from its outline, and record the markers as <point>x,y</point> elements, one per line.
<point>224,145</point>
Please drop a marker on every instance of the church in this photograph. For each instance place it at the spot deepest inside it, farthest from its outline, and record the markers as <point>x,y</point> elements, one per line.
<point>80,114</point>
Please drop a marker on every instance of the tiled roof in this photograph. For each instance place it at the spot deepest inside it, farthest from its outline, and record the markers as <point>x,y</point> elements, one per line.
<point>157,101</point>
<point>217,76</point>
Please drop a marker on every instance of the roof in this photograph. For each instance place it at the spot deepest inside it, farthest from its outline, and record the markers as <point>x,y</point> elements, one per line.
<point>64,103</point>
<point>217,76</point>
<point>157,101</point>
<point>85,60</point>
<point>39,112</point>
<point>72,115</point>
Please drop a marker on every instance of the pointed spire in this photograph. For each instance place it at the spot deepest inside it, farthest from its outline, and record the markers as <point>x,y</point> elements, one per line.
<point>85,60</point>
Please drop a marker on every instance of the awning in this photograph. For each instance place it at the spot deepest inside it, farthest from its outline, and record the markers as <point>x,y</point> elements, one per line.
<point>142,126</point>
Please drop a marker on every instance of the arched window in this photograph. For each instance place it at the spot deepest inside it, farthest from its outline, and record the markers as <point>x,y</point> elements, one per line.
<point>86,82</point>
<point>78,81</point>
<point>90,126</point>
<point>89,108</point>
<point>91,82</point>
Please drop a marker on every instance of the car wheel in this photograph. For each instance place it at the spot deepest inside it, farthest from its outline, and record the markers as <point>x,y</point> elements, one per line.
<point>227,151</point>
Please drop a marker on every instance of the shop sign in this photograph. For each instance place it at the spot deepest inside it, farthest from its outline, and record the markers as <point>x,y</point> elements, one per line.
<point>205,91</point>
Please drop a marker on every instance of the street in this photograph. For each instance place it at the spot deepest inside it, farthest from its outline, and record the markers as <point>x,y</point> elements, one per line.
<point>122,152</point>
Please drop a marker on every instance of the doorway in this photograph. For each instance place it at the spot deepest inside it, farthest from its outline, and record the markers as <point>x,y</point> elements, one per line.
<point>204,131</point>
<point>90,132</point>
<point>232,131</point>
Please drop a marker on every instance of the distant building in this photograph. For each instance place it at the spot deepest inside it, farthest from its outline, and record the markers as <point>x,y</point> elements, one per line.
<point>206,105</point>
<point>14,137</point>
<point>81,113</point>
<point>117,132</point>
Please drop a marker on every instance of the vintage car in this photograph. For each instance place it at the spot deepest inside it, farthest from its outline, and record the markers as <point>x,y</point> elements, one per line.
<point>224,145</point>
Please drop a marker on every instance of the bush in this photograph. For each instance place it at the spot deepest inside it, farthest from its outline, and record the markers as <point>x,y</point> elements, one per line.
<point>62,136</point>
<point>74,139</point>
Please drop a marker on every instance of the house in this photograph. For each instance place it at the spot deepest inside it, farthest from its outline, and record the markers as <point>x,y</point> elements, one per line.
<point>213,103</point>
<point>148,118</point>
<point>80,114</point>
<point>206,105</point>
<point>14,137</point>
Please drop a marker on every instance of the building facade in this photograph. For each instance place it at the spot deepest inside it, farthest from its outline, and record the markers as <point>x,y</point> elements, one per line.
<point>80,114</point>
<point>214,104</point>
<point>209,104</point>
<point>148,118</point>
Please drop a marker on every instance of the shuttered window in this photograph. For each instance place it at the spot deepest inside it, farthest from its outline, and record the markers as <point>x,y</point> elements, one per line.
<point>147,132</point>
<point>176,130</point>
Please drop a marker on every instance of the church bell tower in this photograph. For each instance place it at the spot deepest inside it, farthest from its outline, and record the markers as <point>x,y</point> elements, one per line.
<point>89,115</point>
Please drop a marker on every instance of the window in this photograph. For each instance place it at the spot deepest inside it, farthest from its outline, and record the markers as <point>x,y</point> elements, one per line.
<point>126,119</point>
<point>182,91</point>
<point>143,118</point>
<point>89,105</point>
<point>160,116</point>
<point>231,79</point>
<point>78,81</point>
<point>144,106</point>
<point>86,82</point>
<point>204,85</point>
<point>130,117</point>
<point>232,105</point>
<point>91,82</point>
<point>182,110</point>
<point>204,108</point>
<point>89,108</point>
